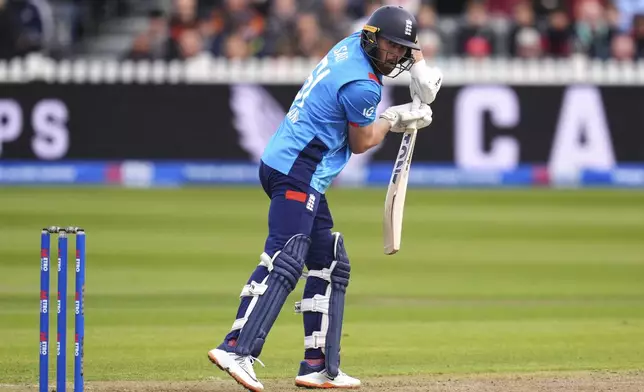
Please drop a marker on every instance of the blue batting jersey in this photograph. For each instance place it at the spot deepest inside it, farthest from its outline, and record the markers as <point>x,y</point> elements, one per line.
<point>311,143</point>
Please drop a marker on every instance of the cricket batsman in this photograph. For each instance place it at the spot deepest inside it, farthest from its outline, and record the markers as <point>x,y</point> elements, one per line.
<point>332,116</point>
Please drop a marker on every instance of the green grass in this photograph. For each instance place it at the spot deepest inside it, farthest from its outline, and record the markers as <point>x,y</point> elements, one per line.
<point>486,281</point>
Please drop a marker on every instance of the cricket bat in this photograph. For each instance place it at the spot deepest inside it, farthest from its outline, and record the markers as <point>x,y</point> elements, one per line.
<point>397,189</point>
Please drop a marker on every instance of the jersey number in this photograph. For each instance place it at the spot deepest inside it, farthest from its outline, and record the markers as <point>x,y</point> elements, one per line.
<point>316,76</point>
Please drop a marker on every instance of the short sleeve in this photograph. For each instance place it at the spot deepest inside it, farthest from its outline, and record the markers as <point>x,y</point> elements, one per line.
<point>360,100</point>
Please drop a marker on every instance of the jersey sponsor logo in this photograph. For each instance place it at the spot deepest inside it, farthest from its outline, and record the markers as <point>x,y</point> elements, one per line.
<point>369,112</point>
<point>341,54</point>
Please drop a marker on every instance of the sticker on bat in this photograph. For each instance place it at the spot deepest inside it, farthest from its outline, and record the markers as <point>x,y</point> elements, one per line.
<point>402,156</point>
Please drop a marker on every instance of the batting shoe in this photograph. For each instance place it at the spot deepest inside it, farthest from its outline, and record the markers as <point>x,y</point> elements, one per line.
<point>238,367</point>
<point>316,377</point>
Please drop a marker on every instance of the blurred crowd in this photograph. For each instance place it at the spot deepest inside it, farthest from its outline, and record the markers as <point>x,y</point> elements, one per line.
<point>182,29</point>
<point>53,27</point>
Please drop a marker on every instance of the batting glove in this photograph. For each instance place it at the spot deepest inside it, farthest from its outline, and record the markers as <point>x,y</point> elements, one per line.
<point>402,116</point>
<point>425,81</point>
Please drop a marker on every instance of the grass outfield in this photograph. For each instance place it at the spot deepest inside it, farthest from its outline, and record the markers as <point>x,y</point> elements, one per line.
<point>486,282</point>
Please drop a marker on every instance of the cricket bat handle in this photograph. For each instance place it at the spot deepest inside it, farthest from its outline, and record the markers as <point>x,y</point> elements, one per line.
<point>415,105</point>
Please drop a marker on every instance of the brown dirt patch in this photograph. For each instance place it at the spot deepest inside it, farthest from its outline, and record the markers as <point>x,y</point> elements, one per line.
<point>631,381</point>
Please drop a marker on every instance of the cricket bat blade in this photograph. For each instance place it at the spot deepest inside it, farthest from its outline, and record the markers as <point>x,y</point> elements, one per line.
<point>397,190</point>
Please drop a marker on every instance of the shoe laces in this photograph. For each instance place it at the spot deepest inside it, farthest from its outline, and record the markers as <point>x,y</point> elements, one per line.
<point>251,362</point>
<point>253,359</point>
<point>246,363</point>
<point>340,374</point>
